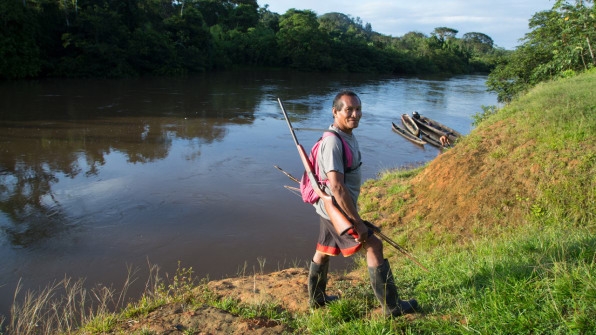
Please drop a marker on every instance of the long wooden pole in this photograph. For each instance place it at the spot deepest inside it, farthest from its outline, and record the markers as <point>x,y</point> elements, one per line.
<point>340,222</point>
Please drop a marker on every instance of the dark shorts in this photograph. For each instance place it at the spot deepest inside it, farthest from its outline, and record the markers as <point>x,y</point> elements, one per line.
<point>332,244</point>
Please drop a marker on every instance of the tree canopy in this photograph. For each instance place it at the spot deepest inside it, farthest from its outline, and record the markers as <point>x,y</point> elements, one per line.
<point>114,38</point>
<point>560,43</point>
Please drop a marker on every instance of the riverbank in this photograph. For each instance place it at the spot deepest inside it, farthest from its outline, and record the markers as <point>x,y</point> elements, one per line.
<point>504,221</point>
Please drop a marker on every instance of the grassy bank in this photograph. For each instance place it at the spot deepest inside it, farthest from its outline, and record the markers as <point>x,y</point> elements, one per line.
<point>504,221</point>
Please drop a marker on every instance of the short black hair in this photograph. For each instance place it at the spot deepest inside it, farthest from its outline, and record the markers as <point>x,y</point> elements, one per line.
<point>337,103</point>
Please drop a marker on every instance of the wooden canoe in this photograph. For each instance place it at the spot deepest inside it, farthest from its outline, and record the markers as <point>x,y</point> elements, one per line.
<point>407,135</point>
<point>410,125</point>
<point>432,126</point>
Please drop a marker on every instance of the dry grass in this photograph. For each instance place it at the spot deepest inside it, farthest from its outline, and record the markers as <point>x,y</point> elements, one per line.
<point>65,306</point>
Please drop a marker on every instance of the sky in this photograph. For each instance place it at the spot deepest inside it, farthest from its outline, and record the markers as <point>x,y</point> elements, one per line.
<point>505,21</point>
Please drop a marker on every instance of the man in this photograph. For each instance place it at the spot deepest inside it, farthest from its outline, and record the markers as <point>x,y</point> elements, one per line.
<point>345,188</point>
<point>445,140</point>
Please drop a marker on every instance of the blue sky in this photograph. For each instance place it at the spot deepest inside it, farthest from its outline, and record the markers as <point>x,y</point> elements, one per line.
<point>505,21</point>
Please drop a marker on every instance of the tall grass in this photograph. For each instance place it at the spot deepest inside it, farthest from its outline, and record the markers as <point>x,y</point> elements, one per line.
<point>68,307</point>
<point>65,306</point>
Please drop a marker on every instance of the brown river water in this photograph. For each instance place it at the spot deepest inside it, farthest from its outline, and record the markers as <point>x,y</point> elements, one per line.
<point>101,176</point>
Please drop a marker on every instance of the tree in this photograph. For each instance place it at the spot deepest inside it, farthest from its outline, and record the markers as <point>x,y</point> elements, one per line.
<point>578,30</point>
<point>244,15</point>
<point>111,38</point>
<point>19,53</point>
<point>214,11</point>
<point>191,41</point>
<point>412,40</point>
<point>478,42</point>
<point>302,45</point>
<point>444,33</point>
<point>559,43</point>
<point>97,41</point>
<point>268,19</point>
<point>513,75</point>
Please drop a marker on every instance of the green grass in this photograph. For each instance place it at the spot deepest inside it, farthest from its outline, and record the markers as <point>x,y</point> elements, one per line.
<point>537,280</point>
<point>514,286</point>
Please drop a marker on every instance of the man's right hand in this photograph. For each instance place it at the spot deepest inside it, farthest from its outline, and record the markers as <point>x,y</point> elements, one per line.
<point>361,230</point>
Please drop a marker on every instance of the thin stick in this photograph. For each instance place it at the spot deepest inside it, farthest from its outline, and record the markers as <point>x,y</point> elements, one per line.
<point>291,188</point>
<point>287,174</point>
<point>386,238</point>
<point>339,220</point>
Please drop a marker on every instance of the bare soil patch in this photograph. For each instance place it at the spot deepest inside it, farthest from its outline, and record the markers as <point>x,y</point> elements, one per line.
<point>286,288</point>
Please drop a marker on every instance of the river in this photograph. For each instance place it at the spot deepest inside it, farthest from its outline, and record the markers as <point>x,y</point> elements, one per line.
<point>101,176</point>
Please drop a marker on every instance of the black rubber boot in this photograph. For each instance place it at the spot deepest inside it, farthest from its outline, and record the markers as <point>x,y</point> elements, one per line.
<point>383,285</point>
<point>317,284</point>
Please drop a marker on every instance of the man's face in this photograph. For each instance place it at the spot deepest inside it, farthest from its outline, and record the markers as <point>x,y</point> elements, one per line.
<point>349,116</point>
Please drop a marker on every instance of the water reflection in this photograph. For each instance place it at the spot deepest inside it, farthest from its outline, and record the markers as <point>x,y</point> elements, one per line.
<point>49,127</point>
<point>27,201</point>
<point>33,154</point>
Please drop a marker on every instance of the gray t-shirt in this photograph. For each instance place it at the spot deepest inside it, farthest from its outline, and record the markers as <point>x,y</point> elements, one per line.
<point>330,158</point>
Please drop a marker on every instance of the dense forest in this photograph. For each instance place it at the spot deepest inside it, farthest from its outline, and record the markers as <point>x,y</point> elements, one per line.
<point>129,38</point>
<point>125,38</point>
